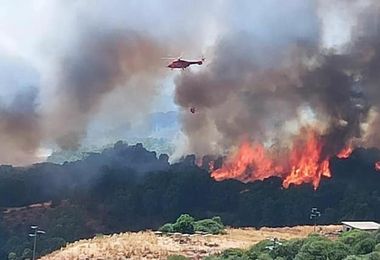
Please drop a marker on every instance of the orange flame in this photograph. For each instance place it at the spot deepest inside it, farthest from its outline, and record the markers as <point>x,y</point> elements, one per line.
<point>345,152</point>
<point>306,163</point>
<point>377,166</point>
<point>252,162</point>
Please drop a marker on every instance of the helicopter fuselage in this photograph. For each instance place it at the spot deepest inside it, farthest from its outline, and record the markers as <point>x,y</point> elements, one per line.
<point>182,64</point>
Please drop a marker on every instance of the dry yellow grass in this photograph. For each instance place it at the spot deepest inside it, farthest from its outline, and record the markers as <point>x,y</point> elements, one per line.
<point>147,245</point>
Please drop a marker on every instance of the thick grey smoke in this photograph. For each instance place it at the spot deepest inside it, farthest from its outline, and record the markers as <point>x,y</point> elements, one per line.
<point>266,88</point>
<point>99,62</point>
<point>98,69</point>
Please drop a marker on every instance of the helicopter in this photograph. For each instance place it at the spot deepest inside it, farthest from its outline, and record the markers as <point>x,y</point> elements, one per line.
<point>179,63</point>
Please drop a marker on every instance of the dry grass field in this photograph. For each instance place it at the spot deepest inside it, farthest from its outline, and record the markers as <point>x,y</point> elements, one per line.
<point>148,245</point>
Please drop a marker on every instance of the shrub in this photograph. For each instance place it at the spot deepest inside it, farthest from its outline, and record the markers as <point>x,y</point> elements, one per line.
<point>377,237</point>
<point>184,224</point>
<point>365,246</point>
<point>167,228</point>
<point>209,226</point>
<point>354,236</point>
<point>373,256</point>
<point>338,251</point>
<point>264,256</point>
<point>288,250</point>
<point>314,250</point>
<point>233,253</point>
<point>353,257</point>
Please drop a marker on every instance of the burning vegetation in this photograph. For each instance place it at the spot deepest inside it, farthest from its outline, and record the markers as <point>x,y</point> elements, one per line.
<point>306,164</point>
<point>285,108</point>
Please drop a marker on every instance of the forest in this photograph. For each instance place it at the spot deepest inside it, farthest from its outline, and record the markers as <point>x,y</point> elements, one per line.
<point>127,188</point>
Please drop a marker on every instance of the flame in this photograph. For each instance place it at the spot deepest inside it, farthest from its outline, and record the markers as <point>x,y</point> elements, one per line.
<point>377,166</point>
<point>252,162</point>
<point>345,152</point>
<point>306,163</point>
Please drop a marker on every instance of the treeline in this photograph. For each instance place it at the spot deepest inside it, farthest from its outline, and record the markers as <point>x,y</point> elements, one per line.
<point>124,192</point>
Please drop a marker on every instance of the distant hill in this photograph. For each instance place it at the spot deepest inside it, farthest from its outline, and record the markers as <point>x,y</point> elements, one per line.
<point>160,145</point>
<point>156,133</point>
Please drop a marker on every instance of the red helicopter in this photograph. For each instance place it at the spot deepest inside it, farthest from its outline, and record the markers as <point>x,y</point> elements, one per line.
<point>179,63</point>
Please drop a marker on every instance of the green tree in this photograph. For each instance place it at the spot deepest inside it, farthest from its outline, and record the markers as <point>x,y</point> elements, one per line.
<point>184,224</point>
<point>314,250</point>
<point>364,246</point>
<point>338,251</point>
<point>288,250</point>
<point>352,237</point>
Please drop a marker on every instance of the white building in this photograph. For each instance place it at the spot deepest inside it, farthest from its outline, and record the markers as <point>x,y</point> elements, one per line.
<point>360,225</point>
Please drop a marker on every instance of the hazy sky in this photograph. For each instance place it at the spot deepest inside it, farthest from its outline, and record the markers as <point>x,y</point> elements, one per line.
<point>35,36</point>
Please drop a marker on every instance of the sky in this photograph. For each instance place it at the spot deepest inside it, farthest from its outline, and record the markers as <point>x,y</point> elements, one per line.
<point>39,39</point>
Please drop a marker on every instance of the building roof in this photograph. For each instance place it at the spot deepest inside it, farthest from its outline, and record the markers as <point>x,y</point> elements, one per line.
<point>364,225</point>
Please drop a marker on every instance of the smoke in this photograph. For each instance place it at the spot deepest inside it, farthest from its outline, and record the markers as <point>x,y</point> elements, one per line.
<point>270,71</point>
<point>99,63</point>
<point>266,88</point>
<point>20,130</point>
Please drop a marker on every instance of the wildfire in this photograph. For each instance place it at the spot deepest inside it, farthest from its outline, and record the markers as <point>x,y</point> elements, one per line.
<point>252,162</point>
<point>306,163</point>
<point>377,166</point>
<point>345,152</point>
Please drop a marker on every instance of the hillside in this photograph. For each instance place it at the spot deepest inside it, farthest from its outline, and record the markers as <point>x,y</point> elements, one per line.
<point>148,245</point>
<point>128,188</point>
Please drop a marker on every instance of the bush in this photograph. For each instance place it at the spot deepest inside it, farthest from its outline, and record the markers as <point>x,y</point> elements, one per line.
<point>373,256</point>
<point>233,253</point>
<point>354,236</point>
<point>353,257</point>
<point>314,250</point>
<point>377,237</point>
<point>338,251</point>
<point>365,246</point>
<point>167,228</point>
<point>184,224</point>
<point>264,256</point>
<point>209,226</point>
<point>288,250</point>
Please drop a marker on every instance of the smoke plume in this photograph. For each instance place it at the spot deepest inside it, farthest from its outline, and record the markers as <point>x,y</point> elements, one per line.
<point>97,64</point>
<point>267,91</point>
<point>20,130</point>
